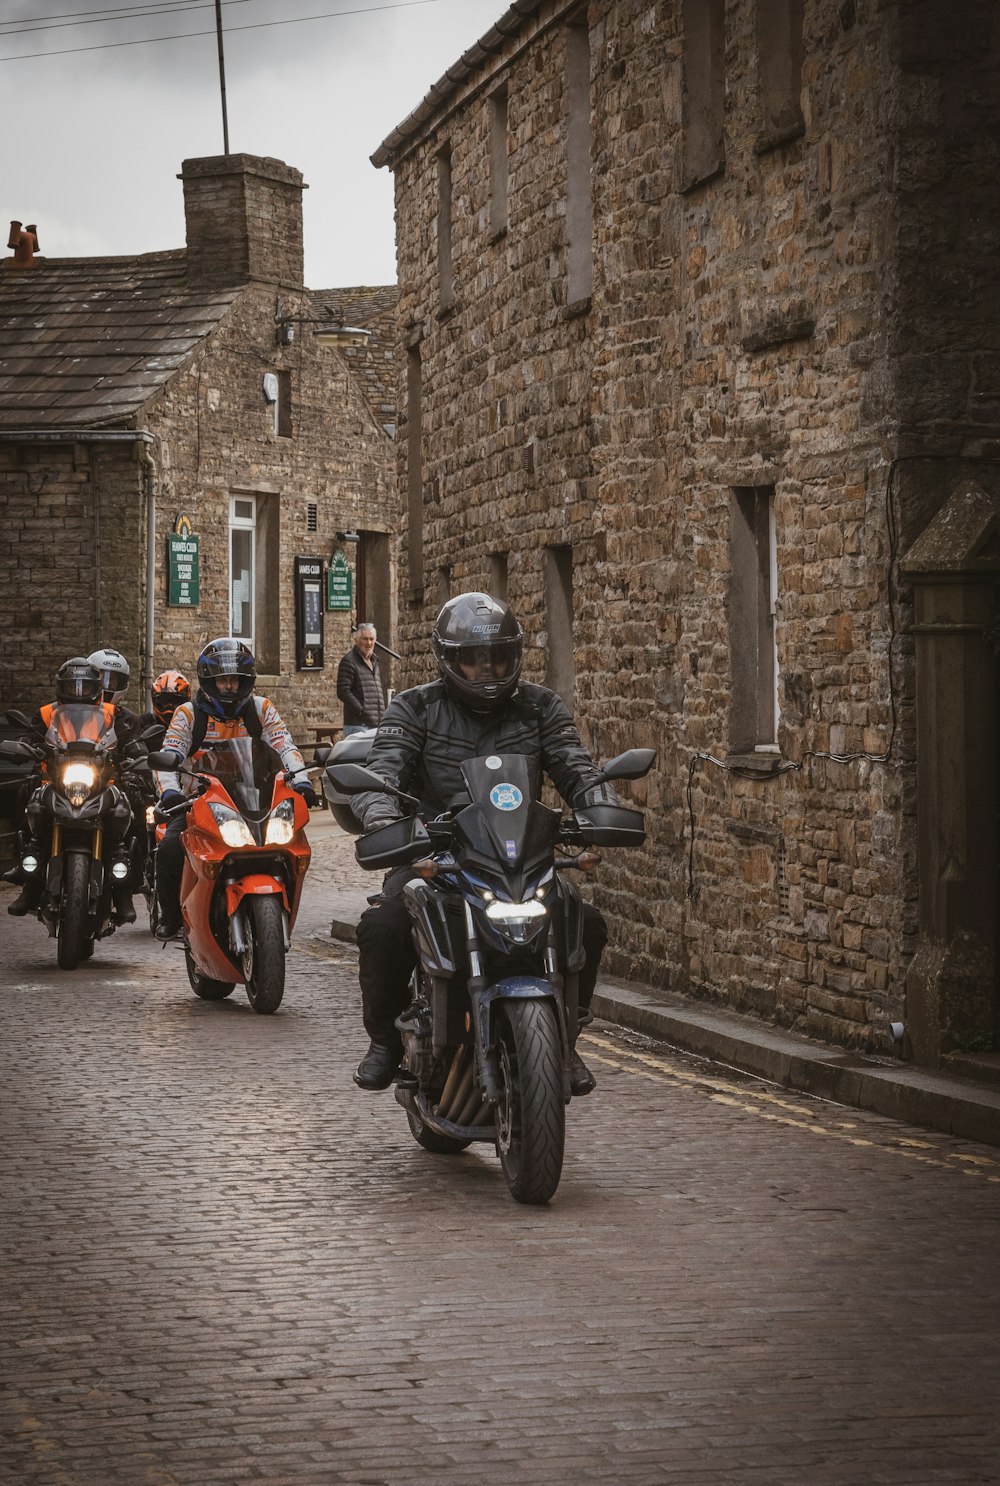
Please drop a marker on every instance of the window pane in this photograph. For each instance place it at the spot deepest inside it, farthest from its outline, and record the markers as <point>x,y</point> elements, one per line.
<point>241,566</point>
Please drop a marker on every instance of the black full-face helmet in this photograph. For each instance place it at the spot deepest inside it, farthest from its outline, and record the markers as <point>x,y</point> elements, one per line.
<point>226,657</point>
<point>114,673</point>
<point>78,681</point>
<point>479,646</point>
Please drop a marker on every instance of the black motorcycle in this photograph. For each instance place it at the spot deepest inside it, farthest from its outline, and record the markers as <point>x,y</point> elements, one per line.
<point>75,824</point>
<point>488,1034</point>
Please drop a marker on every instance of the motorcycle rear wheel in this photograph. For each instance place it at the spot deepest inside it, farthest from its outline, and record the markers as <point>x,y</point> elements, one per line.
<point>531,1117</point>
<point>440,1145</point>
<point>264,957</point>
<point>71,937</point>
<point>203,985</point>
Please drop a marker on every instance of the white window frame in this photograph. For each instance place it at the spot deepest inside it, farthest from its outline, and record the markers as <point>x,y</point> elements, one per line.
<point>243,524</point>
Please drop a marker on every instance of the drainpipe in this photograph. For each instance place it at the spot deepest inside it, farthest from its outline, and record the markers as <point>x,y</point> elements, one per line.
<point>149,464</point>
<point>95,466</point>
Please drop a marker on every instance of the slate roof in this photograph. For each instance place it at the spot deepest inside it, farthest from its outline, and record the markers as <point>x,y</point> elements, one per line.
<point>85,342</point>
<point>375,365</point>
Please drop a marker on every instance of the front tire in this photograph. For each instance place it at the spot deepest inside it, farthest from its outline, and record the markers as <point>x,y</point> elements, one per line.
<point>203,985</point>
<point>71,937</point>
<point>531,1118</point>
<point>264,956</point>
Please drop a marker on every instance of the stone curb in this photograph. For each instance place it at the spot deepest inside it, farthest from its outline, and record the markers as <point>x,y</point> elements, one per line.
<point>917,1096</point>
<point>898,1090</point>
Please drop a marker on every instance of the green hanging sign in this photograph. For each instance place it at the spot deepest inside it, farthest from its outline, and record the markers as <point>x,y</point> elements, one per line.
<point>338,583</point>
<point>182,566</point>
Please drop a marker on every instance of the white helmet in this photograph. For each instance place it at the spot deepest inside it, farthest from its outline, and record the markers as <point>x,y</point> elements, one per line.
<point>114,673</point>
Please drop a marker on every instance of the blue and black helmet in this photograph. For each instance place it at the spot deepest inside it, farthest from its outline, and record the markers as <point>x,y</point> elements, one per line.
<point>226,657</point>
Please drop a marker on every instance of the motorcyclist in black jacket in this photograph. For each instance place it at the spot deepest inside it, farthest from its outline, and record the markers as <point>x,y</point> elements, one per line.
<point>478,706</point>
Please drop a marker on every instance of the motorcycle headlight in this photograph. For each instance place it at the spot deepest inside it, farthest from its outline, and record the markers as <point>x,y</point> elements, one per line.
<point>77,781</point>
<point>281,825</point>
<point>232,827</point>
<point>516,921</point>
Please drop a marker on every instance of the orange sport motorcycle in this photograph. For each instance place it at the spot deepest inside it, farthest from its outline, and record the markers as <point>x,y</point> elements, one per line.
<point>76,821</point>
<point>245,860</point>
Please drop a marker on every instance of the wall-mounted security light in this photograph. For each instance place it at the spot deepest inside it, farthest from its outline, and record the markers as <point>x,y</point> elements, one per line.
<point>347,536</point>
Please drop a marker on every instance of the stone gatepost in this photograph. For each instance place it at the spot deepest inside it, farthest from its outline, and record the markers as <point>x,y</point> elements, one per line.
<point>951,987</point>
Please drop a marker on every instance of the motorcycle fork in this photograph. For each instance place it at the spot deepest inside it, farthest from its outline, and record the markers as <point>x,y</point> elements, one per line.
<point>487,1056</point>
<point>487,1061</point>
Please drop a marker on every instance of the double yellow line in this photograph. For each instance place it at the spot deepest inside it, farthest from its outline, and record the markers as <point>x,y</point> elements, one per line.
<point>781,1109</point>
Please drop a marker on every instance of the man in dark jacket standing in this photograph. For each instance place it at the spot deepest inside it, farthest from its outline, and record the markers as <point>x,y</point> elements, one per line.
<point>478,706</point>
<point>359,685</point>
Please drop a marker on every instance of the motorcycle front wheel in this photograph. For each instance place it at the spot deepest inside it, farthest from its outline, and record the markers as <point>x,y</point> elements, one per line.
<point>264,956</point>
<point>203,985</point>
<point>531,1117</point>
<point>71,936</point>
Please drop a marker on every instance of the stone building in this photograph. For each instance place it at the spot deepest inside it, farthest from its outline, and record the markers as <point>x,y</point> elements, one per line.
<point>700,314</point>
<point>193,384</point>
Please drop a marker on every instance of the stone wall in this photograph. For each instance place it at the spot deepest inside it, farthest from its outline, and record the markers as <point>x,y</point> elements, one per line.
<point>744,333</point>
<point>214,439</point>
<point>74,524</point>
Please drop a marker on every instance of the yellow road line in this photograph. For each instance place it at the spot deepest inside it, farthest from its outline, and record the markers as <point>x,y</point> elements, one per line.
<point>766,1105</point>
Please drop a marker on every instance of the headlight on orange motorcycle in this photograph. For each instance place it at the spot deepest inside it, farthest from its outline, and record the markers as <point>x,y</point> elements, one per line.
<point>281,825</point>
<point>232,827</point>
<point>77,782</point>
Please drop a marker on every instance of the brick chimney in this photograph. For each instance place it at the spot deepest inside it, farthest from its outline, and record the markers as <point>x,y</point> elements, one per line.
<point>244,220</point>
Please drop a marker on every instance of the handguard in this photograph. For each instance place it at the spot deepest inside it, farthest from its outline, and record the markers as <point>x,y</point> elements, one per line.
<point>610,825</point>
<point>393,845</point>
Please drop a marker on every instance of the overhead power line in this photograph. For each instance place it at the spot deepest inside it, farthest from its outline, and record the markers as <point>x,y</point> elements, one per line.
<point>187,35</point>
<point>170,7</point>
<point>108,10</point>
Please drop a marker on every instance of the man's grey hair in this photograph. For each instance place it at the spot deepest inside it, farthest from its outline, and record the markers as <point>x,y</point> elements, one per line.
<point>366,629</point>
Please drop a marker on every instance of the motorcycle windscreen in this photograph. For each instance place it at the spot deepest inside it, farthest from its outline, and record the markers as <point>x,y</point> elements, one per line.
<point>80,722</point>
<point>504,816</point>
<point>246,769</point>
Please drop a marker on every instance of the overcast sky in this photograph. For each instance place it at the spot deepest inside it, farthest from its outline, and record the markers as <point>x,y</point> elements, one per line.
<point>93,140</point>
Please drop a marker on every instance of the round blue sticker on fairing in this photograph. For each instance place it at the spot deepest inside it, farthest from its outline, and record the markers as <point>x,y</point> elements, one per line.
<point>506,796</point>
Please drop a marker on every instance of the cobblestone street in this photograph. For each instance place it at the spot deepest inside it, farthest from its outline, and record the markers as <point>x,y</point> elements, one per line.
<point>224,1263</point>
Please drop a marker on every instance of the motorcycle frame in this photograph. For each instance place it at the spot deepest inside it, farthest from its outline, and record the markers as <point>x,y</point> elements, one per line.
<point>212,868</point>
<point>80,830</point>
<point>437,982</point>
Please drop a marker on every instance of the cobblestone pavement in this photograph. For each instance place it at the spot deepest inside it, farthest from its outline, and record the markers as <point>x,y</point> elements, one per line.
<point>223,1263</point>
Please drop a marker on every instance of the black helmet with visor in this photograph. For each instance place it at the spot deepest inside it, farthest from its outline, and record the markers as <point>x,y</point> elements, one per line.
<point>78,681</point>
<point>479,646</point>
<point>226,657</point>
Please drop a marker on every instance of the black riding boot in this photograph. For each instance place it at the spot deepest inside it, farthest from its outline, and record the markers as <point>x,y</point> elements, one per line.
<point>581,1080</point>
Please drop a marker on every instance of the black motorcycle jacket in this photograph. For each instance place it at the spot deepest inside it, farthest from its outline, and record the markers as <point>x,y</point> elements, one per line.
<point>424,738</point>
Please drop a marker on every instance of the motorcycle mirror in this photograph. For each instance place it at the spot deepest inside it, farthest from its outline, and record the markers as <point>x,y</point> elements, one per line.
<point>354,779</point>
<point>14,749</point>
<point>635,764</point>
<point>322,752</point>
<point>19,719</point>
<point>165,759</point>
<point>155,730</point>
